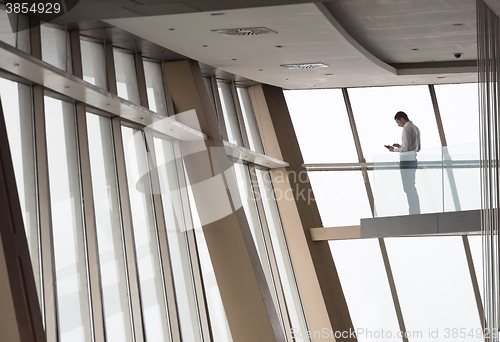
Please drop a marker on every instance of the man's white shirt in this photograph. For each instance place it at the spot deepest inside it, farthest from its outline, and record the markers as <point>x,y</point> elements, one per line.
<point>410,142</point>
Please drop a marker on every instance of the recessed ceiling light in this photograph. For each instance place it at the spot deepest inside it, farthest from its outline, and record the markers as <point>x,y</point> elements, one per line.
<point>304,65</point>
<point>220,13</point>
<point>441,76</point>
<point>205,45</point>
<point>458,24</point>
<point>328,74</point>
<point>279,46</point>
<point>234,59</point>
<point>415,49</point>
<point>171,29</point>
<point>261,69</point>
<point>248,31</point>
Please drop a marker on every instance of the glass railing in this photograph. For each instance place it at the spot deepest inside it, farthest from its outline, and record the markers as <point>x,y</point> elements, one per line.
<point>440,180</point>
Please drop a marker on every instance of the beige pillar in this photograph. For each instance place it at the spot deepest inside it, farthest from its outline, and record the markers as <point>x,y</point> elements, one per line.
<point>244,291</point>
<point>319,285</point>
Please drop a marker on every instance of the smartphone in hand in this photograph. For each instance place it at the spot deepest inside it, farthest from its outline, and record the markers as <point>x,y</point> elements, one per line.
<point>388,146</point>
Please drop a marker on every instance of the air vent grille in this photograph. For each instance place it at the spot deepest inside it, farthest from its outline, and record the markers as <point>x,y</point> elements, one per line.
<point>249,31</point>
<point>305,65</point>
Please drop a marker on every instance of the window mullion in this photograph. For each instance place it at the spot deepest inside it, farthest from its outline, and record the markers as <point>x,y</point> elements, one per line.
<point>239,116</point>
<point>128,233</point>
<point>192,247</point>
<point>90,228</point>
<point>168,281</point>
<point>270,253</point>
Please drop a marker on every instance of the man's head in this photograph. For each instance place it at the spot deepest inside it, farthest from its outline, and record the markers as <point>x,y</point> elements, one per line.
<point>401,118</point>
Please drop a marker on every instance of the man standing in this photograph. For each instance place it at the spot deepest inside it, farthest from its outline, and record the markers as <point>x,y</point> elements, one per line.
<point>410,145</point>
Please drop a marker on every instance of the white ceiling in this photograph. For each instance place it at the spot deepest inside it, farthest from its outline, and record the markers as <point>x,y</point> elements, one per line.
<point>309,33</point>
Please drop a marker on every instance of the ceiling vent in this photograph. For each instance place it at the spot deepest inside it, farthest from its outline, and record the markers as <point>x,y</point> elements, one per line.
<point>249,31</point>
<point>305,65</point>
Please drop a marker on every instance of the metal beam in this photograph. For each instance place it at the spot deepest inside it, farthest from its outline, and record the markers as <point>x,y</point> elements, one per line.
<point>392,286</point>
<point>34,70</point>
<point>473,277</point>
<point>359,150</point>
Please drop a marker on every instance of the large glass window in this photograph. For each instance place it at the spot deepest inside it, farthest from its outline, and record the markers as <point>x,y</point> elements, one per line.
<point>287,275</point>
<point>109,232</point>
<point>208,85</point>
<point>434,287</point>
<point>374,110</point>
<point>340,196</point>
<point>247,198</point>
<point>146,237</point>
<point>18,114</point>
<point>126,76</point>
<point>177,241</point>
<point>6,34</point>
<point>251,125</point>
<point>19,39</point>
<point>229,112</point>
<point>67,222</point>
<point>94,63</point>
<point>322,126</point>
<point>459,109</point>
<point>56,47</point>
<point>476,247</point>
<point>154,87</point>
<point>366,289</point>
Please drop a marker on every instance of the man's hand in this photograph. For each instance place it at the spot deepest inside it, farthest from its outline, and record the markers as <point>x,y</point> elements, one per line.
<point>396,145</point>
<point>391,149</point>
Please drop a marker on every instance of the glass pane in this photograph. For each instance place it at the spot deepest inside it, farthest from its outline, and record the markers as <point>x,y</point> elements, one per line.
<point>459,109</point>
<point>23,37</point>
<point>67,222</point>
<point>461,177</point>
<point>20,39</point>
<point>146,239</point>
<point>6,34</point>
<point>17,110</point>
<point>126,76</point>
<point>154,87</point>
<point>109,231</point>
<point>249,206</point>
<point>56,48</point>
<point>476,248</point>
<point>364,281</point>
<point>458,105</point>
<point>94,63</point>
<point>287,275</point>
<point>434,288</point>
<point>218,318</point>
<point>374,110</point>
<point>341,197</point>
<point>396,185</point>
<point>177,241</point>
<point>251,126</point>
<point>208,85</point>
<point>229,112</point>
<point>322,126</point>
